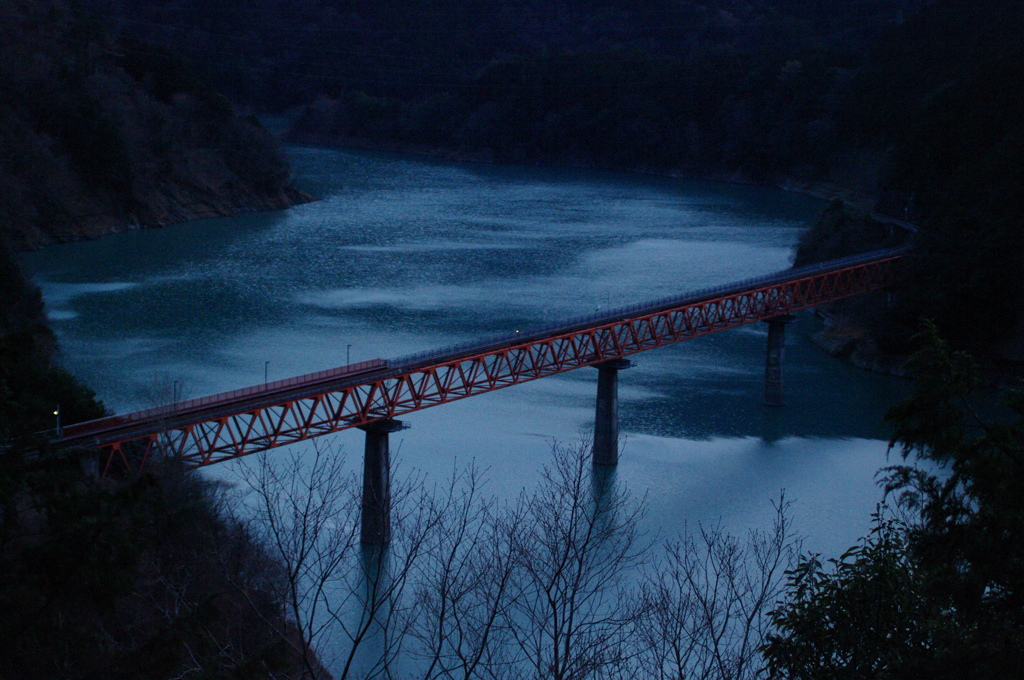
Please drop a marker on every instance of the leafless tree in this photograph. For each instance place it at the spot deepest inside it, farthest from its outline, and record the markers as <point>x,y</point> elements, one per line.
<point>303,512</point>
<point>346,602</point>
<point>374,608</point>
<point>710,595</point>
<point>577,544</point>
<point>466,584</point>
<point>561,583</point>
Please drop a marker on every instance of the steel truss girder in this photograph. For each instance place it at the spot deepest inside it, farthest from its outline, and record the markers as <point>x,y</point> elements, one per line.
<point>225,437</point>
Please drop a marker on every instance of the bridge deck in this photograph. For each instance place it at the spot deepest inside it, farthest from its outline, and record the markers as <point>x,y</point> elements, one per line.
<point>232,424</point>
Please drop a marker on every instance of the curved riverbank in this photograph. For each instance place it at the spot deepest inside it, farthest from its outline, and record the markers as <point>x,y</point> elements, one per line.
<point>173,206</point>
<point>101,134</point>
<point>854,195</point>
<point>403,256</point>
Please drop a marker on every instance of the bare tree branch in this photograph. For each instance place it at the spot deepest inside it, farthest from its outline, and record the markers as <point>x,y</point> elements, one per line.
<point>710,595</point>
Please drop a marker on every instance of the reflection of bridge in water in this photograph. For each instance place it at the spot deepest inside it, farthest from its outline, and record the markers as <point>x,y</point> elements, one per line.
<point>371,394</point>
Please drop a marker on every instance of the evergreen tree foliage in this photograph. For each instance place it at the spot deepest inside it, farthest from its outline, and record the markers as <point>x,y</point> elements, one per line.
<point>135,578</point>
<point>942,594</point>
<point>97,133</point>
<point>31,386</point>
<point>141,577</point>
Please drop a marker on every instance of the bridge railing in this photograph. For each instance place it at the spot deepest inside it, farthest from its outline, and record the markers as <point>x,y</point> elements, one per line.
<point>648,306</point>
<point>223,397</point>
<point>478,346</point>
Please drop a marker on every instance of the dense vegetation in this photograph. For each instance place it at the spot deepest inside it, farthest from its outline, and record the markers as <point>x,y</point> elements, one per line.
<point>277,54</point>
<point>707,87</point>
<point>143,577</point>
<point>912,108</point>
<point>31,385</point>
<point>937,589</point>
<point>94,138</point>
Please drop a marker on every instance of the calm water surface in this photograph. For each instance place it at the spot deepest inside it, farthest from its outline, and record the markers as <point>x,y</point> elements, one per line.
<point>403,255</point>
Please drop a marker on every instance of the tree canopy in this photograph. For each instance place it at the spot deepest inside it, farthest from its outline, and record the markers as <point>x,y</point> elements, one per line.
<point>935,591</point>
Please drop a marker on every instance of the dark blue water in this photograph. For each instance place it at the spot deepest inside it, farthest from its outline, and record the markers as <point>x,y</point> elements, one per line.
<point>403,255</point>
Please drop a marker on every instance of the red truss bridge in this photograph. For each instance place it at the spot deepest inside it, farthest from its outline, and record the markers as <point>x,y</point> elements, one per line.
<point>233,424</point>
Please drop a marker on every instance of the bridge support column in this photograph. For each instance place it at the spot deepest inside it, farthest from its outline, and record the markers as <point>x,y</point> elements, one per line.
<point>376,503</point>
<point>606,419</point>
<point>774,360</point>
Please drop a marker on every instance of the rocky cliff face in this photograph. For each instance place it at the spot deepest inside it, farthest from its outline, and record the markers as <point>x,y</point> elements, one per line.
<point>100,134</point>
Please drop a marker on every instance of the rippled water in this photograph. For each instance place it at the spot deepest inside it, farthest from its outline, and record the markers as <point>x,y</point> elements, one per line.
<point>403,255</point>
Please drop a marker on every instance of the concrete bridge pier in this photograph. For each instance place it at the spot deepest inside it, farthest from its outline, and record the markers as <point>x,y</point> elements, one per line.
<point>376,503</point>
<point>606,419</point>
<point>774,360</point>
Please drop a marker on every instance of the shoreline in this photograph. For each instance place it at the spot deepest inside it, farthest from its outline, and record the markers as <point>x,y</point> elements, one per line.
<point>851,345</point>
<point>90,227</point>
<point>858,350</point>
<point>824,191</point>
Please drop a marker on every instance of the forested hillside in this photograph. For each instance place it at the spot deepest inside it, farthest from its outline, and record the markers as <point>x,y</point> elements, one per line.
<point>145,577</point>
<point>943,94</point>
<point>279,53</point>
<point>95,138</point>
<point>911,107</point>
<point>141,577</point>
